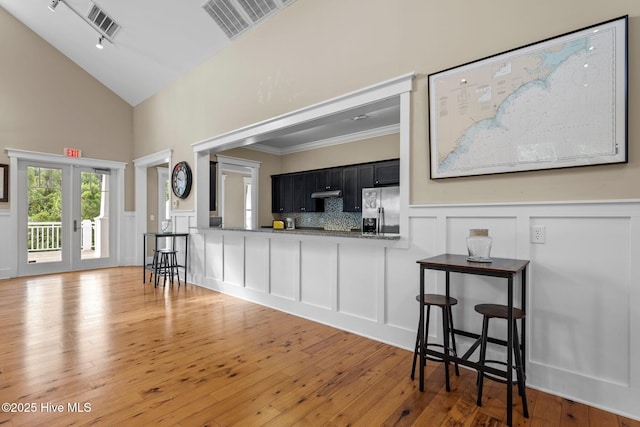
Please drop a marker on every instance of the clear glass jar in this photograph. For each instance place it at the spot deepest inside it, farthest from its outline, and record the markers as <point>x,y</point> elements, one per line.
<point>166,226</point>
<point>479,245</point>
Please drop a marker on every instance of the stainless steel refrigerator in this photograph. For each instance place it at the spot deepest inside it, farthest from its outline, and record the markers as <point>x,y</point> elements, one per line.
<point>381,210</point>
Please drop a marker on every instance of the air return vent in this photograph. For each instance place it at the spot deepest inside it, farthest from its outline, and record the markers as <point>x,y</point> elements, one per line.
<point>226,16</point>
<point>236,16</point>
<point>103,22</point>
<point>258,9</point>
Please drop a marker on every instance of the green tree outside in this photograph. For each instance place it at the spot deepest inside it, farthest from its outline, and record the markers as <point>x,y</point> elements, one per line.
<point>45,194</point>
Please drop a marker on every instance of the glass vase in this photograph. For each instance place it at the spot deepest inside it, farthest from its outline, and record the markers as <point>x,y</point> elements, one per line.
<point>479,245</point>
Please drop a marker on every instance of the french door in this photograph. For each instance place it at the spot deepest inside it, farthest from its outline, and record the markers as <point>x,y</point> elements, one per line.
<point>65,218</point>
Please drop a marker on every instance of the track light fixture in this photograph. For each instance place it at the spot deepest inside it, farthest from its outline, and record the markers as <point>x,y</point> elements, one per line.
<point>103,32</point>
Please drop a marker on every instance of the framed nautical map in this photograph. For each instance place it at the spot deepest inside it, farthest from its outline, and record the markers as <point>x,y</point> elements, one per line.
<point>558,103</point>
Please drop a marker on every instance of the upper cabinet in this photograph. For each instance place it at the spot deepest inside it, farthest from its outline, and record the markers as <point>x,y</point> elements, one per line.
<point>329,179</point>
<point>281,193</point>
<point>292,192</point>
<point>386,173</point>
<point>355,179</point>
<point>303,185</point>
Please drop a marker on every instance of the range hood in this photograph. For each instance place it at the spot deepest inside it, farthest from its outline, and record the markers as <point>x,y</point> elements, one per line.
<point>326,194</point>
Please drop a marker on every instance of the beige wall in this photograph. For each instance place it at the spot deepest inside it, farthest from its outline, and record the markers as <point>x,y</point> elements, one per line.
<point>368,150</point>
<point>307,53</point>
<point>234,200</point>
<point>48,103</point>
<point>269,165</point>
<point>312,51</point>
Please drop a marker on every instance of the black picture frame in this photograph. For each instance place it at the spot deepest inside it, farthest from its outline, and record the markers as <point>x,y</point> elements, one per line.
<point>558,103</point>
<point>4,185</point>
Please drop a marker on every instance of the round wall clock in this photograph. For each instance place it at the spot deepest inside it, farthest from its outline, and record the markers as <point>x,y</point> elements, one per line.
<point>181,180</point>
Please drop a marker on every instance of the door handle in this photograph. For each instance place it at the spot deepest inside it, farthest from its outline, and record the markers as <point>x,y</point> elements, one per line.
<point>75,225</point>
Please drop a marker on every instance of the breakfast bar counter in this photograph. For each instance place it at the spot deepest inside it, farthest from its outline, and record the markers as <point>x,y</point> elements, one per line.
<point>310,231</point>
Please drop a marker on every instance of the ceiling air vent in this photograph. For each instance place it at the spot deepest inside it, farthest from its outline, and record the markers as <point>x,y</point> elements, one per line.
<point>226,16</point>
<point>236,16</point>
<point>103,22</point>
<point>258,9</point>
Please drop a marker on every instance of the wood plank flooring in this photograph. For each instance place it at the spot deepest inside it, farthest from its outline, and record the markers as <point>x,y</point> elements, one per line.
<point>101,348</point>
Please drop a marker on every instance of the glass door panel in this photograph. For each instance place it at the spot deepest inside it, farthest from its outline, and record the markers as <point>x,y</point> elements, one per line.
<point>93,205</point>
<point>94,214</point>
<point>44,212</point>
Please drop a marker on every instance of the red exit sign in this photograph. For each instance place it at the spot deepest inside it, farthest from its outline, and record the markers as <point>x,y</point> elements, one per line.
<point>72,152</point>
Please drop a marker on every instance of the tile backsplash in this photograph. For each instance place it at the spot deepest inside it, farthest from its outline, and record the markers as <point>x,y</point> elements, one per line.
<point>331,219</point>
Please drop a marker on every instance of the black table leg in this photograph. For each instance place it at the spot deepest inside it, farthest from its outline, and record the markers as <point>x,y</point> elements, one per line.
<point>421,330</point>
<point>144,258</point>
<point>510,352</point>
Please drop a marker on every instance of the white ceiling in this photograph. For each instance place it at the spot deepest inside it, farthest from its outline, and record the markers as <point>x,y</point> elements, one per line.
<point>159,40</point>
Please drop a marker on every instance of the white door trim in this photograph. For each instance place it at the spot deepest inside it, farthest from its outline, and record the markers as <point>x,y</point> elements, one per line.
<point>141,164</point>
<point>17,155</point>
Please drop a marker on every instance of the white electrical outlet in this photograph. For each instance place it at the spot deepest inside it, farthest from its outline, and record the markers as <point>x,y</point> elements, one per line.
<point>538,234</point>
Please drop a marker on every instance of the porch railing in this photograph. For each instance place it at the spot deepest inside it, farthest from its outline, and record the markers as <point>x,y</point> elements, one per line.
<point>47,236</point>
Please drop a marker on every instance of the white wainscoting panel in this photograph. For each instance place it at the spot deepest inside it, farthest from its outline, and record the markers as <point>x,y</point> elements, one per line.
<point>285,268</point>
<point>580,302</point>
<point>233,259</point>
<point>318,273</point>
<point>257,263</point>
<point>582,296</point>
<point>8,253</point>
<point>214,259</point>
<point>127,245</point>
<point>403,275</point>
<point>359,279</point>
<point>197,255</point>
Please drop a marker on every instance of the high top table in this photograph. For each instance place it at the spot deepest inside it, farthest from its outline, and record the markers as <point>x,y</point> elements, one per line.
<point>157,237</point>
<point>498,267</point>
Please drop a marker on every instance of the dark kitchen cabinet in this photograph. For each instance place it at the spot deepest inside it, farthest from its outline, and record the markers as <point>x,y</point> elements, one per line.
<point>303,185</point>
<point>354,179</point>
<point>329,179</point>
<point>386,173</point>
<point>281,193</point>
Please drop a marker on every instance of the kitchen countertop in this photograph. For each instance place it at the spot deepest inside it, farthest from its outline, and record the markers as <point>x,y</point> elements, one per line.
<point>314,232</point>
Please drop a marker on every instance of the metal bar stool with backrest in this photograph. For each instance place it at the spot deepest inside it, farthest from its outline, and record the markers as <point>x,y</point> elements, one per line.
<point>497,311</point>
<point>445,303</point>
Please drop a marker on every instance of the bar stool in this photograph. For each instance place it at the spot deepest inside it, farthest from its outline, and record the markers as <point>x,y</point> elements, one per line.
<point>154,267</point>
<point>497,311</point>
<point>165,264</point>
<point>445,303</point>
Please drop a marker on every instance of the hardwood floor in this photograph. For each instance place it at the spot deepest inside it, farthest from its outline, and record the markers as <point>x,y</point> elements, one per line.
<point>100,348</point>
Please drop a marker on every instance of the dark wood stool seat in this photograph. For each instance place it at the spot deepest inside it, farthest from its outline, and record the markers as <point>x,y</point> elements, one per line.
<point>497,311</point>
<point>165,264</point>
<point>445,303</point>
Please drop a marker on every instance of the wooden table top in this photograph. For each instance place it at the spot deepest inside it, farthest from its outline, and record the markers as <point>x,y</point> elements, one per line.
<point>459,263</point>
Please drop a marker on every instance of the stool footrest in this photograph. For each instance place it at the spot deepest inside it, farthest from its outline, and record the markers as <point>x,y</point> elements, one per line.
<point>452,352</point>
<point>496,379</point>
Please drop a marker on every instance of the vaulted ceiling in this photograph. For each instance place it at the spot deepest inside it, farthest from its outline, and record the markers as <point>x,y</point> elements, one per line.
<point>148,44</point>
<point>155,43</point>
